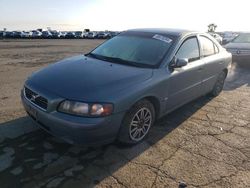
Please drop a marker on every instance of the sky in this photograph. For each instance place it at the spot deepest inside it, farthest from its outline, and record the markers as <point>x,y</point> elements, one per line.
<point>121,15</point>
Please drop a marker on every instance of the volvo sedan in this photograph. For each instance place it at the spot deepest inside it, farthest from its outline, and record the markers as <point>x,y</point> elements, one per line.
<point>119,89</point>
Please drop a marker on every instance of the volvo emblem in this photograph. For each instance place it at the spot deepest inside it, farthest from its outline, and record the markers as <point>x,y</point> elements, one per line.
<point>33,97</point>
<point>238,52</point>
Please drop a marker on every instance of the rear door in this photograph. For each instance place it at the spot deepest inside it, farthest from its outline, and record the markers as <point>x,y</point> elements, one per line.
<point>212,62</point>
<point>185,82</point>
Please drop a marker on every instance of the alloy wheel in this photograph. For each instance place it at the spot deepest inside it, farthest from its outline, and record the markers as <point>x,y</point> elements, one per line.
<point>140,124</point>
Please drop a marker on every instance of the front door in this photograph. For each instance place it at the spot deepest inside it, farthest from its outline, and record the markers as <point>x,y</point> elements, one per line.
<point>185,82</point>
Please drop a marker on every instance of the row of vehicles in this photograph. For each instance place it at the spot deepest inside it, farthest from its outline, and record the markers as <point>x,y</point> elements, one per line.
<point>54,34</point>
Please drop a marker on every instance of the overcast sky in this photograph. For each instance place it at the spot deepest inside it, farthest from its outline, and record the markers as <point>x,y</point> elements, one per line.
<point>124,14</point>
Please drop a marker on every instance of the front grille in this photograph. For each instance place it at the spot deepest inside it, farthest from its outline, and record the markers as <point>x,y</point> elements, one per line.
<point>35,98</point>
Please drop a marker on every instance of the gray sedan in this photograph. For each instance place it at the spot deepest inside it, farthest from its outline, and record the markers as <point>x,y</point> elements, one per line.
<point>240,48</point>
<point>118,90</point>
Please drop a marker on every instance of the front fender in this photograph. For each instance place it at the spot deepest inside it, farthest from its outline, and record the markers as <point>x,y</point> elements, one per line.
<point>156,87</point>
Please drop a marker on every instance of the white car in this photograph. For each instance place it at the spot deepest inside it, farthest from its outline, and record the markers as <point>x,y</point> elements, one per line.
<point>63,34</point>
<point>92,35</point>
<point>36,34</point>
<point>26,34</point>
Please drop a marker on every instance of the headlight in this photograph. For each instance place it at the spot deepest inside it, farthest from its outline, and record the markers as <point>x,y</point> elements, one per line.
<point>101,109</point>
<point>85,109</point>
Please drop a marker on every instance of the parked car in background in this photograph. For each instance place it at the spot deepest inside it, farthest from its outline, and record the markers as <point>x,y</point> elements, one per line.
<point>217,37</point>
<point>113,34</point>
<point>9,34</point>
<point>55,34</point>
<point>46,35</point>
<point>1,34</point>
<point>228,37</point>
<point>100,35</point>
<point>79,34</point>
<point>26,34</point>
<point>91,35</point>
<point>63,34</point>
<point>119,89</point>
<point>240,48</point>
<point>17,34</point>
<point>36,34</point>
<point>85,34</point>
<point>103,35</point>
<point>70,35</point>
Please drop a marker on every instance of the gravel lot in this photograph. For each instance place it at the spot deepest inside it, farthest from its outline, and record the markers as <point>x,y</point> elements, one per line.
<point>206,143</point>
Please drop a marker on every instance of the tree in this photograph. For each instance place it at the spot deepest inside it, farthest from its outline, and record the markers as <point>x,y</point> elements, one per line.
<point>212,27</point>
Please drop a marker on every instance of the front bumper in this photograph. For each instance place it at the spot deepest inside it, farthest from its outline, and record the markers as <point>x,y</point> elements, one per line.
<point>73,129</point>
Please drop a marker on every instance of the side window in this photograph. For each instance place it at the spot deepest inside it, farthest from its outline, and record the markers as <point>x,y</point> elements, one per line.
<point>208,47</point>
<point>189,50</point>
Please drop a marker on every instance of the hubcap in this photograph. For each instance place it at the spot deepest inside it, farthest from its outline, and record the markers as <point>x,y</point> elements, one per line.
<point>140,124</point>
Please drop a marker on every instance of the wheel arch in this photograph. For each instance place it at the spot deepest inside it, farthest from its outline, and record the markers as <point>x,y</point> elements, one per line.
<point>156,103</point>
<point>153,100</point>
<point>225,70</point>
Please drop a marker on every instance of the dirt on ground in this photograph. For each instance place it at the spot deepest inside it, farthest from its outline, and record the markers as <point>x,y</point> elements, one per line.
<point>205,143</point>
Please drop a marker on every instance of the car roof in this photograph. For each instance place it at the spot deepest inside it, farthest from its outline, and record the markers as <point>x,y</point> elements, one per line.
<point>166,31</point>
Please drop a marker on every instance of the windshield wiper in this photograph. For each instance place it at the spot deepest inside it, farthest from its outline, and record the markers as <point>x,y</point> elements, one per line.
<point>124,62</point>
<point>118,60</point>
<point>96,56</point>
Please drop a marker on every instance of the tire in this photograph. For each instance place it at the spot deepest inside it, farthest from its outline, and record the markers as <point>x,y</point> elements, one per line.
<point>134,128</point>
<point>218,86</point>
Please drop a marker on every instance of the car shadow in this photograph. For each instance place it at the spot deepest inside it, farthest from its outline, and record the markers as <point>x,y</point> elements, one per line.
<point>238,75</point>
<point>38,159</point>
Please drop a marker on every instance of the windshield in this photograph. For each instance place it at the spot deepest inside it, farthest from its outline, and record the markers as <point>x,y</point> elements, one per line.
<point>242,38</point>
<point>135,49</point>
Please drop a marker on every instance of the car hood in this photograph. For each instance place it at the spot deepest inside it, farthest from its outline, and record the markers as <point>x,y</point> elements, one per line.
<point>87,79</point>
<point>233,45</point>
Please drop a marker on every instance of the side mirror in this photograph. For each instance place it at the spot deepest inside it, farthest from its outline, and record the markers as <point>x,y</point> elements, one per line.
<point>177,63</point>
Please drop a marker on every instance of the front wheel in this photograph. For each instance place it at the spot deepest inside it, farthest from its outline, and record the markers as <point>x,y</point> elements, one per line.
<point>137,122</point>
<point>218,87</point>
